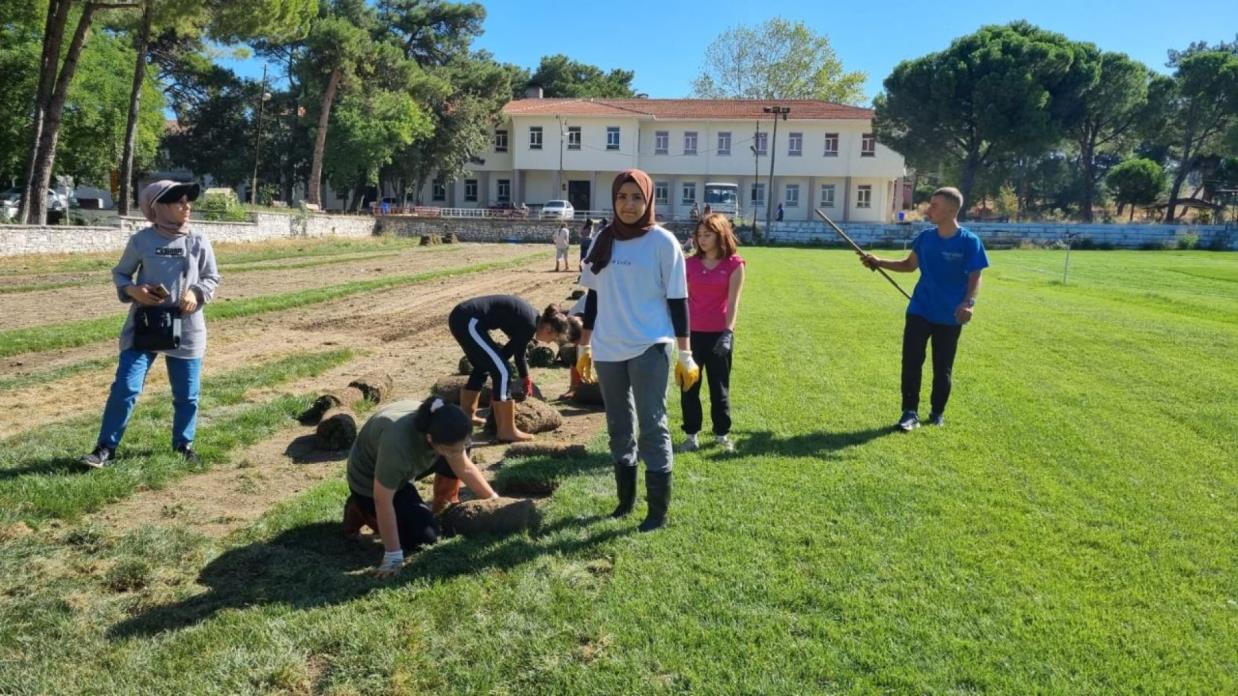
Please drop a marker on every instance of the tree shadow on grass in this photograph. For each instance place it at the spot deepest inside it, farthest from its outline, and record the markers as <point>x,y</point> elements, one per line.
<point>820,445</point>
<point>314,565</point>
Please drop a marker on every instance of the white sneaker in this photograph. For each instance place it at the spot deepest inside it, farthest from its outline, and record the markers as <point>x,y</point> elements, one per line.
<point>725,443</point>
<point>689,444</point>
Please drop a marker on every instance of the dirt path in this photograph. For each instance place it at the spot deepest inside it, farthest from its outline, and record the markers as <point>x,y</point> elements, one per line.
<point>407,337</point>
<point>98,299</point>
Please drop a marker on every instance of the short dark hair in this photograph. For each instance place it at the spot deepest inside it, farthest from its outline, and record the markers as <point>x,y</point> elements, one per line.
<point>444,423</point>
<point>951,194</point>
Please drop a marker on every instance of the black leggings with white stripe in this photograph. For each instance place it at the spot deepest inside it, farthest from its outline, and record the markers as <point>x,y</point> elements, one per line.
<point>487,357</point>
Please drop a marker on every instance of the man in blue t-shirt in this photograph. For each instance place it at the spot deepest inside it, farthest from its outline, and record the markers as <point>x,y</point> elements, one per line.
<point>950,259</point>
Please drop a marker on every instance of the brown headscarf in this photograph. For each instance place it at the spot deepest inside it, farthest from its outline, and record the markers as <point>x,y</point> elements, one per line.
<point>604,244</point>
<point>157,213</point>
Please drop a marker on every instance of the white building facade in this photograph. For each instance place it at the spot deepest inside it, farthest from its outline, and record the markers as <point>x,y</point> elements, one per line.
<point>824,155</point>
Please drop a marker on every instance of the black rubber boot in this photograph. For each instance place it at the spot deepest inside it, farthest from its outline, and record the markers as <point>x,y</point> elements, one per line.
<point>658,491</point>
<point>625,484</point>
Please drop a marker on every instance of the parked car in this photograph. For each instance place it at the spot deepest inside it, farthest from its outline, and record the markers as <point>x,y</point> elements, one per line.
<point>558,210</point>
<point>10,202</point>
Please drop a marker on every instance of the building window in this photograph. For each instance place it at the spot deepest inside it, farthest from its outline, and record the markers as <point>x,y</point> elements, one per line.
<point>724,143</point>
<point>758,195</point>
<point>827,195</point>
<point>689,143</point>
<point>500,141</point>
<point>761,142</point>
<point>661,192</point>
<point>864,197</point>
<point>505,190</point>
<point>470,190</point>
<point>612,137</point>
<point>535,137</point>
<point>831,144</point>
<point>868,145</point>
<point>689,193</point>
<point>661,142</point>
<point>795,144</point>
<point>573,137</point>
<point>791,194</point>
<point>439,190</point>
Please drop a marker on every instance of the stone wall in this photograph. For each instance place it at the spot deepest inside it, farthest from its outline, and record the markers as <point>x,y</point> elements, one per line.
<point>998,234</point>
<point>67,239</point>
<point>476,229</point>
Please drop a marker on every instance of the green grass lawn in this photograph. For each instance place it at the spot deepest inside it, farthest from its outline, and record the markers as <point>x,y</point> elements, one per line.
<point>1072,530</point>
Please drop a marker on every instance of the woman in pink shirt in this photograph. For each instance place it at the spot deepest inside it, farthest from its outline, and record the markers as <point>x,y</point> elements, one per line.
<point>715,280</point>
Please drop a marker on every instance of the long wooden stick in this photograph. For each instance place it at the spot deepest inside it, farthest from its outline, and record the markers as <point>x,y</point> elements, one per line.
<point>859,250</point>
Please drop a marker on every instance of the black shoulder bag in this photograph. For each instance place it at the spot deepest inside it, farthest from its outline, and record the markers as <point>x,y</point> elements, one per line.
<point>159,328</point>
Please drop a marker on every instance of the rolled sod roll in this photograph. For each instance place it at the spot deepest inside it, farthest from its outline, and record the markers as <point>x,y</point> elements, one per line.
<point>497,516</point>
<point>336,430</point>
<point>567,355</point>
<point>336,398</point>
<point>465,367</point>
<point>532,416</point>
<point>448,389</point>
<point>588,394</point>
<point>376,386</point>
<point>576,294</point>
<point>541,356</point>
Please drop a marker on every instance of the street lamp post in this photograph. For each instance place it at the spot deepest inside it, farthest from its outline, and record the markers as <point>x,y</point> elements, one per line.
<point>776,111</point>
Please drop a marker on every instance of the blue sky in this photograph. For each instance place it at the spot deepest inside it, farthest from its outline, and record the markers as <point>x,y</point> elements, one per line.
<point>663,42</point>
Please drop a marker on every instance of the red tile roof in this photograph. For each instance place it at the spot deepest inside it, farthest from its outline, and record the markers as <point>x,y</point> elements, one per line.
<point>742,109</point>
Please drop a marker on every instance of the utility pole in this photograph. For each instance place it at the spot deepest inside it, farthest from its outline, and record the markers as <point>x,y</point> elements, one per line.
<point>562,135</point>
<point>756,170</point>
<point>776,111</point>
<point>262,98</point>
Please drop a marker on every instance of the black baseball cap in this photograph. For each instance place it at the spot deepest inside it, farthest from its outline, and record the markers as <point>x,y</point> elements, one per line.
<point>190,189</point>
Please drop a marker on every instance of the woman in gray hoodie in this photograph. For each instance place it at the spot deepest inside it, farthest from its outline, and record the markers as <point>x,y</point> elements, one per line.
<point>170,267</point>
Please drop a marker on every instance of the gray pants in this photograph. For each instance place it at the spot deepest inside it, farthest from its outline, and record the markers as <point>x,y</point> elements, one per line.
<point>634,392</point>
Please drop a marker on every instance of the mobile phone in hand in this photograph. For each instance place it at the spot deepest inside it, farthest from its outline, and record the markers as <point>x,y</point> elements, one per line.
<point>160,291</point>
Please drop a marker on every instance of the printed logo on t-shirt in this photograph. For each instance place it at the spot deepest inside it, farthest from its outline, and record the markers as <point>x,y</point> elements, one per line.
<point>620,262</point>
<point>952,255</point>
<point>170,251</point>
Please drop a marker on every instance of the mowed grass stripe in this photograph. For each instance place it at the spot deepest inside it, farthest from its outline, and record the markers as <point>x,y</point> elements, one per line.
<point>78,333</point>
<point>39,476</point>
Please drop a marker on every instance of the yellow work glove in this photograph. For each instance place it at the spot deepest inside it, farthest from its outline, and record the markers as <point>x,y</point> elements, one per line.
<point>687,374</point>
<point>584,363</point>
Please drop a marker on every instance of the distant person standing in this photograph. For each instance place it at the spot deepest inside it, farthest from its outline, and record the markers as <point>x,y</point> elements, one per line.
<point>780,213</point>
<point>586,239</point>
<point>563,241</point>
<point>950,259</point>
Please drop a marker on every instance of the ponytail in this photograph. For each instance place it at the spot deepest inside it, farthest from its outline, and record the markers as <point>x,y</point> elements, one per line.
<point>555,319</point>
<point>444,423</point>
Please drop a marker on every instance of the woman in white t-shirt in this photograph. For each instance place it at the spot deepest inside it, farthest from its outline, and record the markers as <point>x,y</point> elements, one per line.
<point>636,308</point>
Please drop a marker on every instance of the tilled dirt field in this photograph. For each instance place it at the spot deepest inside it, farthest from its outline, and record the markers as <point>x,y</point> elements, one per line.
<point>400,331</point>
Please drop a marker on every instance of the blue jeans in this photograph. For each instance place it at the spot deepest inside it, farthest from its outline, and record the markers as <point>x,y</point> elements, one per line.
<point>185,376</point>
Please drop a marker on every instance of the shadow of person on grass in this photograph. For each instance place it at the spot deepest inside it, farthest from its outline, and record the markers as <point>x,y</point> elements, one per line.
<point>314,565</point>
<point>304,450</point>
<point>820,445</point>
<point>540,475</point>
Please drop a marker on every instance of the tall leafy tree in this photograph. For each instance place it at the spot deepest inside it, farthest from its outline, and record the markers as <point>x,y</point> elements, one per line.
<point>1136,182</point>
<point>778,59</point>
<point>57,66</point>
<point>560,76</point>
<point>1109,107</point>
<point>1001,92</point>
<point>1203,111</point>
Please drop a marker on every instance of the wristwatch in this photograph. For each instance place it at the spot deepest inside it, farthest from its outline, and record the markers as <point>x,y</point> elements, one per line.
<point>971,302</point>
